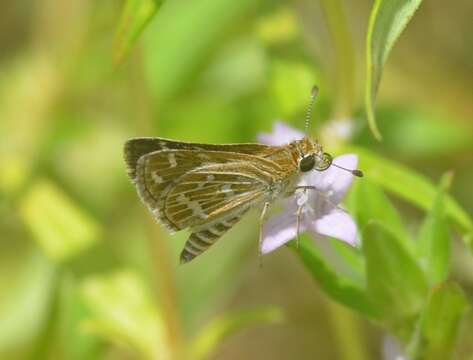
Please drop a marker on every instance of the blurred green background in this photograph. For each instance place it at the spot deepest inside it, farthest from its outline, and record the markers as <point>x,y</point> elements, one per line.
<point>85,273</point>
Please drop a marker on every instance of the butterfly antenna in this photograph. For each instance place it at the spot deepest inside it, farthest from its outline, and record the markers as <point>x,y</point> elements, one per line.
<point>354,172</point>
<point>308,115</point>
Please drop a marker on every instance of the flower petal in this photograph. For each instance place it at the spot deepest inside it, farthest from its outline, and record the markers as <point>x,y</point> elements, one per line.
<point>281,135</point>
<point>337,224</point>
<point>334,182</point>
<point>278,230</point>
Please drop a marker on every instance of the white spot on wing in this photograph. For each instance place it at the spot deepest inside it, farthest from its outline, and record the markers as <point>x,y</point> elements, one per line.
<point>227,190</point>
<point>172,160</point>
<point>193,205</point>
<point>203,156</point>
<point>157,179</point>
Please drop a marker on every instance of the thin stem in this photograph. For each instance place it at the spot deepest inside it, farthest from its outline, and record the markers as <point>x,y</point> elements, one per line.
<point>166,291</point>
<point>344,56</point>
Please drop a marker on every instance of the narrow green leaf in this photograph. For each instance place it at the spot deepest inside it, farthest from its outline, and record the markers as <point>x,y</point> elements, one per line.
<point>411,186</point>
<point>25,301</point>
<point>395,282</point>
<point>367,202</point>
<point>439,323</point>
<point>387,21</point>
<point>60,228</point>
<point>434,240</point>
<point>340,288</point>
<point>182,38</point>
<point>135,16</point>
<point>123,312</point>
<point>417,132</point>
<point>221,328</point>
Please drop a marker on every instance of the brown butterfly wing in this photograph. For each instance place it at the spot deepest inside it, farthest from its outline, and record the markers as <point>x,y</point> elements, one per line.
<point>137,147</point>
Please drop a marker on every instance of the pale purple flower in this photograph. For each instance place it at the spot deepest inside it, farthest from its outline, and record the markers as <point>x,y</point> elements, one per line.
<point>392,349</point>
<point>321,214</point>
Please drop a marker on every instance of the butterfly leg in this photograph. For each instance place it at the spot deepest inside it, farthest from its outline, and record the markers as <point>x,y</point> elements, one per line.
<point>300,207</point>
<point>260,242</point>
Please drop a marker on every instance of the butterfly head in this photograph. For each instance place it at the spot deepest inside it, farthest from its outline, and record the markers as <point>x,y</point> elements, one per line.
<point>313,157</point>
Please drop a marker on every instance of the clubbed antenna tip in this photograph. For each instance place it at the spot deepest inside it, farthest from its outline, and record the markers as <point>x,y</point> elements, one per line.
<point>314,91</point>
<point>357,172</point>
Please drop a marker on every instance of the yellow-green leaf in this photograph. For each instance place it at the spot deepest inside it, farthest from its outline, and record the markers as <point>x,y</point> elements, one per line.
<point>135,16</point>
<point>434,240</point>
<point>57,224</point>
<point>411,186</point>
<point>439,323</point>
<point>395,282</point>
<point>219,329</point>
<point>387,21</point>
<point>122,312</point>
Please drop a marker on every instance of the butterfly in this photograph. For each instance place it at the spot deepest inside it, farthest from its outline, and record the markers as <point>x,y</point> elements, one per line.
<point>207,188</point>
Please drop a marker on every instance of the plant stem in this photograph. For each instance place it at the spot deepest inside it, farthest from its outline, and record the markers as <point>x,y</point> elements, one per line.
<point>344,56</point>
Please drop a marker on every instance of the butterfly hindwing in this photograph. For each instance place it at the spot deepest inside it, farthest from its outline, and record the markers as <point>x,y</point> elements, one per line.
<point>161,173</point>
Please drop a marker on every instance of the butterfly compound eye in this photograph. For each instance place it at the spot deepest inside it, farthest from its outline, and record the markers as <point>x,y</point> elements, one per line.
<point>325,162</point>
<point>307,163</point>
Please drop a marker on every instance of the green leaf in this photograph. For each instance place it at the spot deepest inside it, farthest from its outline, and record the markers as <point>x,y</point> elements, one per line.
<point>411,186</point>
<point>367,202</point>
<point>60,228</point>
<point>387,21</point>
<point>420,133</point>
<point>434,240</point>
<point>122,312</point>
<point>183,36</point>
<point>340,288</point>
<point>135,16</point>
<point>439,323</point>
<point>75,343</point>
<point>25,301</point>
<point>395,282</point>
<point>221,328</point>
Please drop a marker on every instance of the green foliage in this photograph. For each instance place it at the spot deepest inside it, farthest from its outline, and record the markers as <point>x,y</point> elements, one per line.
<point>387,21</point>
<point>123,312</point>
<point>61,229</point>
<point>221,328</point>
<point>434,239</point>
<point>404,289</point>
<point>368,202</point>
<point>439,323</point>
<point>411,186</point>
<point>339,287</point>
<point>290,84</point>
<point>395,281</point>
<point>27,300</point>
<point>135,16</point>
<point>181,37</point>
<point>420,133</point>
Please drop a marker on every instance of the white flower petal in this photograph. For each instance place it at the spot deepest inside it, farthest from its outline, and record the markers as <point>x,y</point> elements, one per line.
<point>278,230</point>
<point>337,224</point>
<point>334,182</point>
<point>281,135</point>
